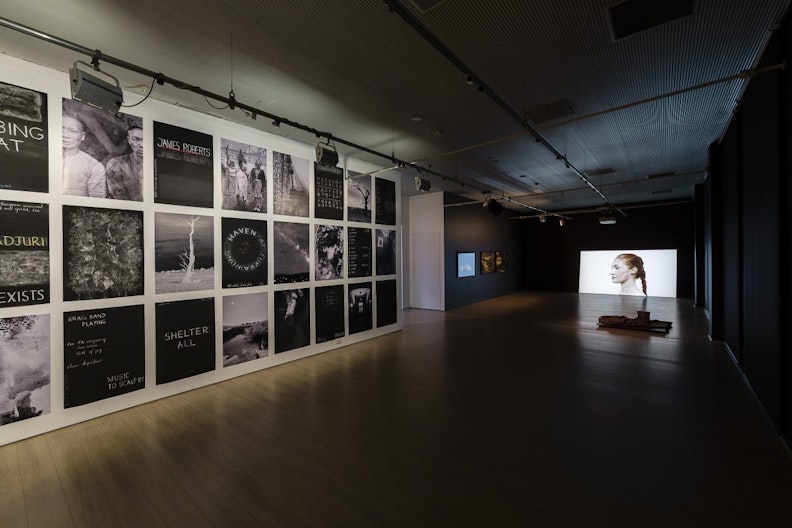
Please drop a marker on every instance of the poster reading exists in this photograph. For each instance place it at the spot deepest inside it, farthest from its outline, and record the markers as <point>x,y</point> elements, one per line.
<point>103,354</point>
<point>185,339</point>
<point>358,195</point>
<point>292,319</point>
<point>289,185</point>
<point>24,144</point>
<point>244,176</point>
<point>386,303</point>
<point>291,252</point>
<point>24,254</point>
<point>245,328</point>
<point>385,204</point>
<point>244,252</point>
<point>359,249</point>
<point>328,192</point>
<point>359,304</point>
<point>183,252</point>
<point>183,166</point>
<point>103,253</point>
<point>386,251</point>
<point>24,367</point>
<point>329,313</point>
<point>329,252</point>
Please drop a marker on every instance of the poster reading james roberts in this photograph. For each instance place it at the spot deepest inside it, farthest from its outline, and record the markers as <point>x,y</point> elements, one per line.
<point>183,166</point>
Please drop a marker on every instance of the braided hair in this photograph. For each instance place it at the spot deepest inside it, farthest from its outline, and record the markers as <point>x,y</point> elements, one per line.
<point>634,261</point>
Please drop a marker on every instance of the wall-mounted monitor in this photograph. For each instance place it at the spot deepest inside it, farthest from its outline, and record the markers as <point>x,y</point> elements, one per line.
<point>466,264</point>
<point>629,272</point>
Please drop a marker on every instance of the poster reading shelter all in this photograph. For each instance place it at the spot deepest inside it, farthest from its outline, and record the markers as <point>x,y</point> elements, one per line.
<point>24,367</point>
<point>183,166</point>
<point>244,253</point>
<point>24,143</point>
<point>328,192</point>
<point>24,254</point>
<point>103,353</point>
<point>185,339</point>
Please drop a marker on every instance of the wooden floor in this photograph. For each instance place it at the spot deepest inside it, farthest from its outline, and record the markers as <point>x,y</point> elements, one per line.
<point>511,412</point>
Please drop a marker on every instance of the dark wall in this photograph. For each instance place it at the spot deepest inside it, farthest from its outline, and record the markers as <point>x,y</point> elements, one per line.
<point>473,228</point>
<point>552,252</point>
<point>731,162</point>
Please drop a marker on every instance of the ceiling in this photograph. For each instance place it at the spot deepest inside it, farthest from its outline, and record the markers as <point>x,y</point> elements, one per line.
<point>357,70</point>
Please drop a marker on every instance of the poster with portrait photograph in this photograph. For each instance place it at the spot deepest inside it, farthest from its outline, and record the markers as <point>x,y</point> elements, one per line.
<point>103,353</point>
<point>358,198</point>
<point>385,204</point>
<point>386,251</point>
<point>328,192</point>
<point>24,254</point>
<point>292,319</point>
<point>359,303</point>
<point>290,185</point>
<point>183,252</point>
<point>102,153</point>
<point>24,367</point>
<point>359,252</point>
<point>501,261</point>
<point>386,303</point>
<point>291,252</point>
<point>329,313</point>
<point>636,272</point>
<point>24,139</point>
<point>245,328</point>
<point>183,166</point>
<point>244,252</point>
<point>185,339</point>
<point>329,252</point>
<point>243,176</point>
<point>102,253</point>
<point>487,262</point>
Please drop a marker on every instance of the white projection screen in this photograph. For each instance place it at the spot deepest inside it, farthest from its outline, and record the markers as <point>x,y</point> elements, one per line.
<point>660,266</point>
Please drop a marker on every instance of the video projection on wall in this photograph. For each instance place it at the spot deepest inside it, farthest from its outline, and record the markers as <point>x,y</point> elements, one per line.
<point>638,272</point>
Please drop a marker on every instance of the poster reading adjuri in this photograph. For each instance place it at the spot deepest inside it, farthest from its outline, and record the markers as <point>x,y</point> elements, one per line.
<point>185,339</point>
<point>24,145</point>
<point>244,253</point>
<point>103,354</point>
<point>183,166</point>
<point>24,254</point>
<point>24,367</point>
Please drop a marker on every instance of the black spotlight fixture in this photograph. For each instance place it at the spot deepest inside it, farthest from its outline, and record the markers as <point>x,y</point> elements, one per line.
<point>422,183</point>
<point>326,154</point>
<point>492,205</point>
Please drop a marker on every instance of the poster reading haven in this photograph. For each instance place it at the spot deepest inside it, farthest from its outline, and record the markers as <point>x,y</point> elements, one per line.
<point>103,354</point>
<point>328,192</point>
<point>185,339</point>
<point>329,313</point>
<point>183,166</point>
<point>24,367</point>
<point>24,254</point>
<point>244,253</point>
<point>24,144</point>
<point>359,250</point>
<point>385,204</point>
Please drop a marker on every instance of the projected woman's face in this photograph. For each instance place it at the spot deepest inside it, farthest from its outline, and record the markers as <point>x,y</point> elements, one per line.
<point>619,271</point>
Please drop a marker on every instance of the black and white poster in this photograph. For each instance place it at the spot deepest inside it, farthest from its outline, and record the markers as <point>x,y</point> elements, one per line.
<point>244,252</point>
<point>329,252</point>
<point>244,176</point>
<point>24,254</point>
<point>183,166</point>
<point>291,252</point>
<point>102,153</point>
<point>103,353</point>
<point>183,252</point>
<point>292,319</point>
<point>358,195</point>
<point>359,252</point>
<point>386,303</point>
<point>290,185</point>
<point>103,253</point>
<point>359,303</point>
<point>386,251</point>
<point>24,139</point>
<point>385,204</point>
<point>185,339</point>
<point>24,367</point>
<point>245,328</point>
<point>329,313</point>
<point>328,192</point>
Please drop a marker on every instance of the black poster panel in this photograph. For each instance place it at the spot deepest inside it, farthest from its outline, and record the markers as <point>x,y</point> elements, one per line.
<point>329,313</point>
<point>24,254</point>
<point>183,166</point>
<point>358,195</point>
<point>291,252</point>
<point>24,143</point>
<point>102,253</point>
<point>244,253</point>
<point>185,339</point>
<point>359,250</point>
<point>385,204</point>
<point>328,192</point>
<point>386,251</point>
<point>292,319</point>
<point>24,367</point>
<point>103,353</point>
<point>183,252</point>
<point>360,312</point>
<point>386,303</point>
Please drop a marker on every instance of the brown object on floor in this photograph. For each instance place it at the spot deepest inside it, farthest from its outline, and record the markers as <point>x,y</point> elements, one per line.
<point>642,322</point>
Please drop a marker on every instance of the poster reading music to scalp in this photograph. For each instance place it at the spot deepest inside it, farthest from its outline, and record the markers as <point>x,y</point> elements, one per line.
<point>358,195</point>
<point>329,313</point>
<point>24,254</point>
<point>185,339</point>
<point>183,166</point>
<point>385,204</point>
<point>359,249</point>
<point>24,144</point>
<point>103,353</point>
<point>328,192</point>
<point>244,253</point>
<point>24,367</point>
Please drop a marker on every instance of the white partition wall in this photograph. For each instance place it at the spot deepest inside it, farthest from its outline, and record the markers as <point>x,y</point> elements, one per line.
<point>427,258</point>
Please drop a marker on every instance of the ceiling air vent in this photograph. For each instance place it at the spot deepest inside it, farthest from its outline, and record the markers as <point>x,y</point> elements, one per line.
<point>427,5</point>
<point>550,111</point>
<point>634,16</point>
<point>601,172</point>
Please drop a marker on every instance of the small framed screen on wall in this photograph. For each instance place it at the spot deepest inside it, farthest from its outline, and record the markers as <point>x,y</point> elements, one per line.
<point>466,264</point>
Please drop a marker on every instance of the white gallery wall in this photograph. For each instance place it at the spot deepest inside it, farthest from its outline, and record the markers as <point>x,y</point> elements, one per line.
<point>427,253</point>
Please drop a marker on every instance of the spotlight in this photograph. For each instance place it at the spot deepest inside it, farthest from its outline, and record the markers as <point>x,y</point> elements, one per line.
<point>326,155</point>
<point>493,206</point>
<point>93,90</point>
<point>607,219</point>
<point>231,100</point>
<point>561,222</point>
<point>542,218</point>
<point>422,183</point>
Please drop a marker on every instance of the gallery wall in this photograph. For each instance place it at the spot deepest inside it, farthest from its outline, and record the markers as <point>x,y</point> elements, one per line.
<point>230,251</point>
